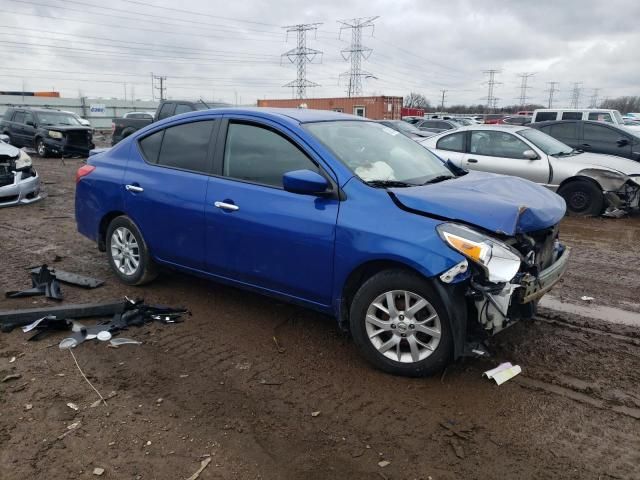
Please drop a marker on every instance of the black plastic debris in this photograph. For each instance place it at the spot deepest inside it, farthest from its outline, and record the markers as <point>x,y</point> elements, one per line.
<point>71,278</point>
<point>43,282</point>
<point>45,325</point>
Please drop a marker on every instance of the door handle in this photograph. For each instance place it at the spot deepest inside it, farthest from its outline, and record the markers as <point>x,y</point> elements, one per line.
<point>472,160</point>
<point>586,146</point>
<point>134,188</point>
<point>227,206</point>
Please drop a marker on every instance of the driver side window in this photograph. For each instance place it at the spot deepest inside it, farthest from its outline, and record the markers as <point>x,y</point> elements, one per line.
<point>497,144</point>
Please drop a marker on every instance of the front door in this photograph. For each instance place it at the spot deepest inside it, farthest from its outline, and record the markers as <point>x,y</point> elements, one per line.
<point>165,189</point>
<point>502,152</point>
<point>259,234</point>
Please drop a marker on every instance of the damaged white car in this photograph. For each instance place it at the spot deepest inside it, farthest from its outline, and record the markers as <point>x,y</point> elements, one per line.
<point>19,182</point>
<point>590,183</point>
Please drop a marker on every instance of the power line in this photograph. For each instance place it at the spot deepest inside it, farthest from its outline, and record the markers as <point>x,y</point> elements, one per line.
<point>552,91</point>
<point>158,83</point>
<point>300,56</point>
<point>492,100</point>
<point>575,95</point>
<point>523,86</point>
<point>444,92</point>
<point>356,53</point>
<point>593,103</point>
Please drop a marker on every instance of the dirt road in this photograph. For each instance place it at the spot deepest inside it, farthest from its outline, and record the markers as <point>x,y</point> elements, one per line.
<point>218,385</point>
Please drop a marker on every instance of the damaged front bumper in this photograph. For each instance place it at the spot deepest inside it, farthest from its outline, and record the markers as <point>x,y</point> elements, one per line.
<point>24,189</point>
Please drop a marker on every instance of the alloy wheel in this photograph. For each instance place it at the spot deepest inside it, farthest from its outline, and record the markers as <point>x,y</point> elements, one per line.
<point>125,251</point>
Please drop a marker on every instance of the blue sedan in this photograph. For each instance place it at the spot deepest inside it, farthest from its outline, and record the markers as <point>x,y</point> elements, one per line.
<point>334,212</point>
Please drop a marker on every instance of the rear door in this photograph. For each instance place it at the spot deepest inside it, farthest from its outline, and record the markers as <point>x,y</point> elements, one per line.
<point>566,131</point>
<point>258,233</point>
<point>502,152</point>
<point>16,128</point>
<point>600,138</point>
<point>452,147</point>
<point>29,129</point>
<point>165,189</point>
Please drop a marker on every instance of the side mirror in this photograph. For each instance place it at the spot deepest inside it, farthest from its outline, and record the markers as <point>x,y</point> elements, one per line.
<point>4,138</point>
<point>305,182</point>
<point>30,123</point>
<point>623,142</point>
<point>530,155</point>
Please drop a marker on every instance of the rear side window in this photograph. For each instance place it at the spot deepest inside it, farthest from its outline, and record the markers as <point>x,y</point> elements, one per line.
<point>571,115</point>
<point>150,146</point>
<point>564,130</point>
<point>544,116</point>
<point>453,142</point>
<point>19,117</point>
<point>182,108</point>
<point>597,133</point>
<point>166,111</point>
<point>8,114</point>
<point>186,146</point>
<point>260,155</point>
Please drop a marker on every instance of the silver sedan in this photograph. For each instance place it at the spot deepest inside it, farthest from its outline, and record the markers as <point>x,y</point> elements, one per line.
<point>589,182</point>
<point>19,182</point>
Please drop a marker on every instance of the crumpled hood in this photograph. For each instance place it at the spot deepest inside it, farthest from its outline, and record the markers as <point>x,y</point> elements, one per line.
<point>502,204</point>
<point>8,152</point>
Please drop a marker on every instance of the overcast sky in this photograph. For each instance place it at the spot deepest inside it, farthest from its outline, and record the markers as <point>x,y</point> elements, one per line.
<point>231,50</point>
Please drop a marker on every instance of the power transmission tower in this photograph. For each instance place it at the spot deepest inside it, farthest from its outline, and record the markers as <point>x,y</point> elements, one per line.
<point>552,91</point>
<point>492,100</point>
<point>444,92</point>
<point>575,95</point>
<point>593,103</point>
<point>356,53</point>
<point>523,87</point>
<point>158,82</point>
<point>300,56</point>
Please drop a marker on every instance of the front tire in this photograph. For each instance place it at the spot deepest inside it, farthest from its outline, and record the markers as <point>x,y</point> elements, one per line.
<point>41,148</point>
<point>128,253</point>
<point>583,198</point>
<point>400,325</point>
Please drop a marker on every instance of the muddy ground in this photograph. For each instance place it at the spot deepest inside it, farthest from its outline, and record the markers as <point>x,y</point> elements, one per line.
<point>218,386</point>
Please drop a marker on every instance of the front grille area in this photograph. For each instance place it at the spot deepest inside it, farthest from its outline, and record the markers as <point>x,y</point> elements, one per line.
<point>79,139</point>
<point>541,243</point>
<point>6,179</point>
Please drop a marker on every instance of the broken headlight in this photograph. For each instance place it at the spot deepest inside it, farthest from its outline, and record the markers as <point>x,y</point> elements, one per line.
<point>498,260</point>
<point>636,179</point>
<point>23,162</point>
<point>54,134</point>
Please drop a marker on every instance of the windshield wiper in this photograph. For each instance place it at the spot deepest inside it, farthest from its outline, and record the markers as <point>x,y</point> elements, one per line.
<point>388,183</point>
<point>439,178</point>
<point>562,154</point>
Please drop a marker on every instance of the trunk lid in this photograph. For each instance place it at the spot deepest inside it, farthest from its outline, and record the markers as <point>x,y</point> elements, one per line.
<point>498,203</point>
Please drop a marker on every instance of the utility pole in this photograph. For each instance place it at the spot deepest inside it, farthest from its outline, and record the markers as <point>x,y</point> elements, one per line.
<point>593,103</point>
<point>575,94</point>
<point>443,91</point>
<point>552,91</point>
<point>300,56</point>
<point>158,83</point>
<point>492,100</point>
<point>523,87</point>
<point>356,53</point>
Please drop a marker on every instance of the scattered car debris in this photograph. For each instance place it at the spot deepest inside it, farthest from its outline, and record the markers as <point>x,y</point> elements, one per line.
<point>70,428</point>
<point>503,372</point>
<point>384,463</point>
<point>12,359</point>
<point>10,319</point>
<point>203,465</point>
<point>72,406</point>
<point>43,282</point>
<point>315,414</point>
<point>98,471</point>
<point>71,278</point>
<point>116,342</point>
<point>28,406</point>
<point>13,376</point>
<point>585,298</point>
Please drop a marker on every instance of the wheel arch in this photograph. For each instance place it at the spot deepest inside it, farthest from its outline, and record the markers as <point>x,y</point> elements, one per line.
<point>577,178</point>
<point>104,224</point>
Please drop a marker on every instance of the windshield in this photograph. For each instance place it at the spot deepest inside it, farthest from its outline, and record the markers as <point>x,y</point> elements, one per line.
<point>57,118</point>
<point>376,153</point>
<point>407,127</point>
<point>546,143</point>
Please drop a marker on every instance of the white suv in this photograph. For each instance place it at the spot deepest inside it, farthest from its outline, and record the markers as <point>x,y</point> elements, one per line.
<point>596,114</point>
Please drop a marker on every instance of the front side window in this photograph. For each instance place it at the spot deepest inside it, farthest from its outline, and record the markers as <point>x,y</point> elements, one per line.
<point>165,111</point>
<point>563,129</point>
<point>546,143</point>
<point>375,152</point>
<point>571,115</point>
<point>597,133</point>
<point>497,144</point>
<point>259,155</point>
<point>601,117</point>
<point>544,116</point>
<point>453,142</point>
<point>19,117</point>
<point>182,108</point>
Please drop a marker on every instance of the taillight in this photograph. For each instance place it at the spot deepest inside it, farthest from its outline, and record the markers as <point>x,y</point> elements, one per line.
<point>113,128</point>
<point>83,171</point>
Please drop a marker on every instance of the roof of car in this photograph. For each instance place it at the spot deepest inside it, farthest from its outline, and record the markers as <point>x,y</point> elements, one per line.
<point>501,127</point>
<point>301,115</point>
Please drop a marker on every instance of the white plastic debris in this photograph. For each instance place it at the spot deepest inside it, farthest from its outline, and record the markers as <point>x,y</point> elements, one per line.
<point>384,463</point>
<point>98,471</point>
<point>587,299</point>
<point>116,342</point>
<point>104,336</point>
<point>315,414</point>
<point>72,406</point>
<point>503,372</point>
<point>13,359</point>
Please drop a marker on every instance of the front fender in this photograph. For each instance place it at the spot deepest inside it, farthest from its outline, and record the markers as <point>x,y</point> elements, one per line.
<point>609,180</point>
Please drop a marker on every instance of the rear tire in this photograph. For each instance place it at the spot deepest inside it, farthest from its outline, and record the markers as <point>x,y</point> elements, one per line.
<point>583,198</point>
<point>128,253</point>
<point>416,326</point>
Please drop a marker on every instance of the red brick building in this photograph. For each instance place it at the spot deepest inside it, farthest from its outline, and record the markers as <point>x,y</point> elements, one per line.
<point>377,108</point>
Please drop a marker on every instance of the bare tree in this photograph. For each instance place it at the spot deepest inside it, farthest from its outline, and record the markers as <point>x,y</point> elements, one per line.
<point>416,100</point>
<point>623,104</point>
